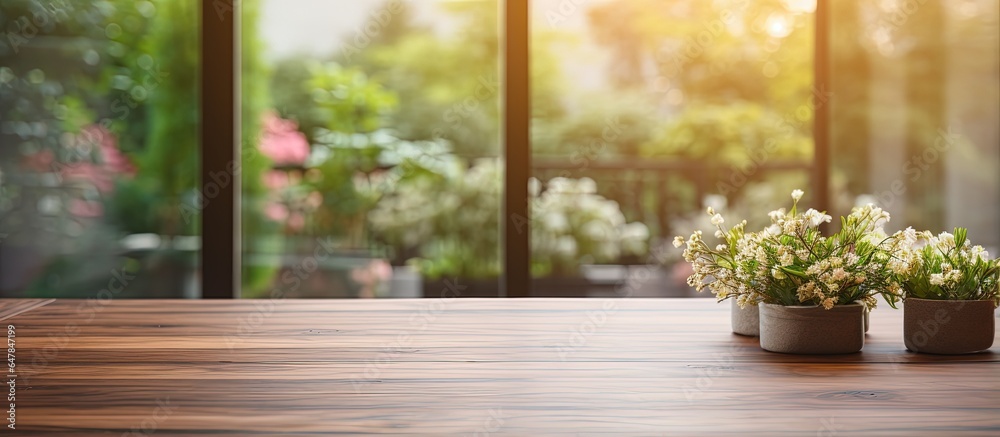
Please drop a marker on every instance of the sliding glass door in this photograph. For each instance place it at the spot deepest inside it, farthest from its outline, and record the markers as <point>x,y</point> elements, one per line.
<point>99,149</point>
<point>374,166</point>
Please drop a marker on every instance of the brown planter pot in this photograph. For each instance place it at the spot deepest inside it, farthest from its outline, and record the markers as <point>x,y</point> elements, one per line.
<point>746,321</point>
<point>812,329</point>
<point>948,326</point>
<point>867,323</point>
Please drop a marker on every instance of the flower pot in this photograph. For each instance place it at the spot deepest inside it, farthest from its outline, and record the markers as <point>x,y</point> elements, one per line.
<point>812,329</point>
<point>746,321</point>
<point>868,312</point>
<point>948,326</point>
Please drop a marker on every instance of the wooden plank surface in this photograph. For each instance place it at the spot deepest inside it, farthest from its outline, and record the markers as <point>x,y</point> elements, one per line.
<point>529,367</point>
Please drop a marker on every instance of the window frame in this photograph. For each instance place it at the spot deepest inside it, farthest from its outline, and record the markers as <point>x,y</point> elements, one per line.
<point>221,265</point>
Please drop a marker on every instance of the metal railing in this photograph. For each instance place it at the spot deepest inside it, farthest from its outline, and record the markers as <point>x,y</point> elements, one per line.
<point>654,192</point>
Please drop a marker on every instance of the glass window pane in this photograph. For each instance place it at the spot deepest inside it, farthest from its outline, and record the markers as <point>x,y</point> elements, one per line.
<point>916,124</point>
<point>647,111</point>
<point>99,155</point>
<point>371,166</point>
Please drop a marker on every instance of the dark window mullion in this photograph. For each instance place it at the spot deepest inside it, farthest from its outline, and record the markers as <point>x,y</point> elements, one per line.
<point>516,279</point>
<point>219,158</point>
<point>822,100</point>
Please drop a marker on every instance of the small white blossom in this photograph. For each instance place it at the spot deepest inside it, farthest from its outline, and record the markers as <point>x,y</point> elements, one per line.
<point>937,279</point>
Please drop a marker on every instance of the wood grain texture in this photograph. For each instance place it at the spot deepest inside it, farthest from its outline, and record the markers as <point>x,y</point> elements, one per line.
<point>530,367</point>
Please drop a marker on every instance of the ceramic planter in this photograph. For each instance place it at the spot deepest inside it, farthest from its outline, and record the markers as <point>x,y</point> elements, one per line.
<point>948,326</point>
<point>868,312</point>
<point>812,329</point>
<point>746,321</point>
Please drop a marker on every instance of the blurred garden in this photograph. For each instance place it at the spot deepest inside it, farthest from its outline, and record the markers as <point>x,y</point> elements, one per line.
<point>382,144</point>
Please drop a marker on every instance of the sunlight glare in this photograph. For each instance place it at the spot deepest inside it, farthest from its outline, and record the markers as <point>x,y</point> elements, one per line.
<point>778,26</point>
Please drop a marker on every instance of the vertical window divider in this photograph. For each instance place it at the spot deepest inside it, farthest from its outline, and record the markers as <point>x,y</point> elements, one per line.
<point>516,278</point>
<point>220,166</point>
<point>822,101</point>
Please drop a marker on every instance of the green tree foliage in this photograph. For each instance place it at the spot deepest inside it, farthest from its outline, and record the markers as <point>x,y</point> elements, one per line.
<point>758,51</point>
<point>255,98</point>
<point>168,168</point>
<point>728,134</point>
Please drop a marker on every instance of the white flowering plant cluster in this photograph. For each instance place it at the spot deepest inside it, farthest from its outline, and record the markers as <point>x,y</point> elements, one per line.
<point>791,262</point>
<point>571,224</point>
<point>945,267</point>
<point>451,221</point>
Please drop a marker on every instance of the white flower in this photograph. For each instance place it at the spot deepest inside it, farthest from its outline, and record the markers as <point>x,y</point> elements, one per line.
<point>791,227</point>
<point>720,234</point>
<point>786,258</point>
<point>839,274</point>
<point>829,302</point>
<point>566,246</point>
<point>555,222</point>
<point>678,241</point>
<point>772,230</point>
<point>534,187</point>
<point>815,218</point>
<point>937,279</point>
<point>980,254</point>
<point>635,231</point>
<point>718,220</point>
<point>778,274</point>
<point>797,195</point>
<point>776,215</point>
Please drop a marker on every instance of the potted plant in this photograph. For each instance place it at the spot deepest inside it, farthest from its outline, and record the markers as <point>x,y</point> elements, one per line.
<point>573,225</point>
<point>950,290</point>
<point>718,270</point>
<point>452,220</point>
<point>813,290</point>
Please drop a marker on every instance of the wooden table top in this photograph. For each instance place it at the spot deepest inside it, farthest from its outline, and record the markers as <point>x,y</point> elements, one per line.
<point>471,367</point>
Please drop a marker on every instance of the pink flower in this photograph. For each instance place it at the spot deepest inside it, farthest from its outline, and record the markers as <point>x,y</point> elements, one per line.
<point>40,161</point>
<point>111,158</point>
<point>314,199</point>
<point>276,211</point>
<point>109,161</point>
<point>296,221</point>
<point>88,172</point>
<point>377,271</point>
<point>275,180</point>
<point>282,141</point>
<point>83,208</point>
